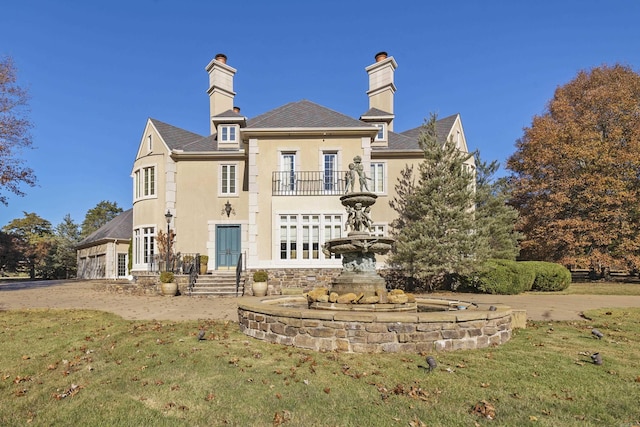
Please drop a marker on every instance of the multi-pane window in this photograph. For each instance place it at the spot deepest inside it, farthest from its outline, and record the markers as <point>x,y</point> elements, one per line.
<point>145,182</point>
<point>144,245</point>
<point>378,230</point>
<point>288,236</point>
<point>332,229</point>
<point>310,236</point>
<point>380,134</point>
<point>288,171</point>
<point>122,265</point>
<point>228,179</point>
<point>228,134</point>
<point>377,177</point>
<point>302,235</point>
<point>330,165</point>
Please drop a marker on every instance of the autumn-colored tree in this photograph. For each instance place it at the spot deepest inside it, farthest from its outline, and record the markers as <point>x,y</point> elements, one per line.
<point>576,172</point>
<point>14,132</point>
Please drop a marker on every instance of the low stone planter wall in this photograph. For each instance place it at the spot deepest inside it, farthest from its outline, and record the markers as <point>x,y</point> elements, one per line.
<point>360,332</point>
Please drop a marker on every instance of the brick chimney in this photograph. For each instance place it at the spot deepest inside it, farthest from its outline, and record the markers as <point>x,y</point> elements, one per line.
<point>220,87</point>
<point>381,86</point>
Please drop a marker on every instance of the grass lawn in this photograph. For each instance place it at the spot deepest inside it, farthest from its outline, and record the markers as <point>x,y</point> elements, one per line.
<point>94,368</point>
<point>602,288</point>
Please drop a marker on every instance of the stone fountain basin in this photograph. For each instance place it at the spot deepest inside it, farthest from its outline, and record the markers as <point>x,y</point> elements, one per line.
<point>289,321</point>
<point>343,245</point>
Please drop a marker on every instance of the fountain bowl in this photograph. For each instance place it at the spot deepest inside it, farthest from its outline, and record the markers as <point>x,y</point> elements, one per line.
<point>436,325</point>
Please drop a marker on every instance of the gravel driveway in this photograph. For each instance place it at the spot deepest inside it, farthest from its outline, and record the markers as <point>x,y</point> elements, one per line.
<point>74,294</point>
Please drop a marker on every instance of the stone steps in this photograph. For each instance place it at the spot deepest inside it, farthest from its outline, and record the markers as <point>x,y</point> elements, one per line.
<point>218,284</point>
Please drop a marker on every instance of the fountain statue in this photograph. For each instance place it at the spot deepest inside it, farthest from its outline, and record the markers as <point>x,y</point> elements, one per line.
<point>358,251</point>
<point>357,314</point>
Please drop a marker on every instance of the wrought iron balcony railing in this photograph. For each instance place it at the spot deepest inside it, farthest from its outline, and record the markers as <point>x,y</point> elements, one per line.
<point>307,183</point>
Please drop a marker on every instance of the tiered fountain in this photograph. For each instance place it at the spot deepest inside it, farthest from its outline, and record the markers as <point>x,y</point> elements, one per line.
<point>357,314</point>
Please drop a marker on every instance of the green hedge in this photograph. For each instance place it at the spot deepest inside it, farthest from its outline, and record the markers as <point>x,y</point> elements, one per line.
<point>549,276</point>
<point>506,277</point>
<point>502,277</point>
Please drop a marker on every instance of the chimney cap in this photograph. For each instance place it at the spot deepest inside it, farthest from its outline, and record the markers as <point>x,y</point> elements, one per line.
<point>236,109</point>
<point>221,57</point>
<point>381,56</point>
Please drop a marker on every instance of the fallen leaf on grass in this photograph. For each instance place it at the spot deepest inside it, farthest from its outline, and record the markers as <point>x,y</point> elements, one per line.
<point>210,397</point>
<point>416,422</point>
<point>281,417</point>
<point>484,409</point>
<point>327,390</point>
<point>70,392</point>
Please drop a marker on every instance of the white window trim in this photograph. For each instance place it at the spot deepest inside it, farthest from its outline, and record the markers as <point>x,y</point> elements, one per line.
<point>138,182</point>
<point>138,247</point>
<point>385,174</point>
<point>236,134</point>
<point>382,126</point>
<point>299,261</point>
<point>220,182</point>
<point>296,166</point>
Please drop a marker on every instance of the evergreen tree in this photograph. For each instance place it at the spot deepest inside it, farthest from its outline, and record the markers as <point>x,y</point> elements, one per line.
<point>67,236</point>
<point>495,219</point>
<point>34,239</point>
<point>434,230</point>
<point>98,216</point>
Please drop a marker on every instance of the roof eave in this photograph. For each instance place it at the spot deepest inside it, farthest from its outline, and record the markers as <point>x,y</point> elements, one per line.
<point>207,155</point>
<point>309,131</point>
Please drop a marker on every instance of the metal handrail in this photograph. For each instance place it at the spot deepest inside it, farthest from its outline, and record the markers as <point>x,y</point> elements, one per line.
<point>238,273</point>
<point>307,183</point>
<point>193,273</point>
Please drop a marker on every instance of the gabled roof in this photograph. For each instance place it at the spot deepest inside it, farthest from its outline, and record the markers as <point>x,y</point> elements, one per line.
<point>443,128</point>
<point>175,138</point>
<point>304,114</point>
<point>375,112</point>
<point>119,228</point>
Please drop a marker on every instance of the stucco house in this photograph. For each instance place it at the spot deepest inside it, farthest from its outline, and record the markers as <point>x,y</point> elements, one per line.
<point>268,187</point>
<point>104,254</point>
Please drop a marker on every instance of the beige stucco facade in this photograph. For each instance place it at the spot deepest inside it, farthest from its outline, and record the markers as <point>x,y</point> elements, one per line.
<point>280,184</point>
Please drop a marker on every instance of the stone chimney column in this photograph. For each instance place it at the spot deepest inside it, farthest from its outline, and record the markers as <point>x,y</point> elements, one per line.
<point>220,86</point>
<point>381,86</point>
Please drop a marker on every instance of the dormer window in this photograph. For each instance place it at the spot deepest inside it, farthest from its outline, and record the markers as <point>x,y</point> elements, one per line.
<point>382,131</point>
<point>228,134</point>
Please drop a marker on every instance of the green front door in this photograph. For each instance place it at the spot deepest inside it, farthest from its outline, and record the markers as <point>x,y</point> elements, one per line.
<point>227,246</point>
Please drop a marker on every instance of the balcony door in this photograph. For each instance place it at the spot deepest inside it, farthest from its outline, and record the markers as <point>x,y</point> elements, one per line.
<point>330,168</point>
<point>288,171</point>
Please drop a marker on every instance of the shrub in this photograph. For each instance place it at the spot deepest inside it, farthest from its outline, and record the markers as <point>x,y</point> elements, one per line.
<point>503,277</point>
<point>260,276</point>
<point>550,276</point>
<point>166,277</point>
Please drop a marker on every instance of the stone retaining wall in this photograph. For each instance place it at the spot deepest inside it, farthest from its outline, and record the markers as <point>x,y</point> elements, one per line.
<point>282,279</point>
<point>359,332</point>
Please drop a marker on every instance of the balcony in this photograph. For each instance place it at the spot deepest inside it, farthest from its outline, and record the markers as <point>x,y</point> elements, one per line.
<point>307,183</point>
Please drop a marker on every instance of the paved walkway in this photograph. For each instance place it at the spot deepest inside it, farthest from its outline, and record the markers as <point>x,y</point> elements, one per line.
<point>83,295</point>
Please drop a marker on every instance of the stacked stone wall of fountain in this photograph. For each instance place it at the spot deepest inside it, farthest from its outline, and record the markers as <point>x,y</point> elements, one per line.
<point>358,286</point>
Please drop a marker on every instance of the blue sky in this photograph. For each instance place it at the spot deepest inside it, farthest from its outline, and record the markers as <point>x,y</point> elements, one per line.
<point>96,70</point>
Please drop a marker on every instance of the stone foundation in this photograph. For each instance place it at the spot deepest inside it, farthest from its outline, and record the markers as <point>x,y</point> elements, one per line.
<point>366,332</point>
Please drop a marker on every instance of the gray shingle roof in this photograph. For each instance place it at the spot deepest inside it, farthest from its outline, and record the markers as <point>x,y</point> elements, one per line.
<point>120,228</point>
<point>374,112</point>
<point>303,114</point>
<point>443,127</point>
<point>174,137</point>
<point>300,114</point>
